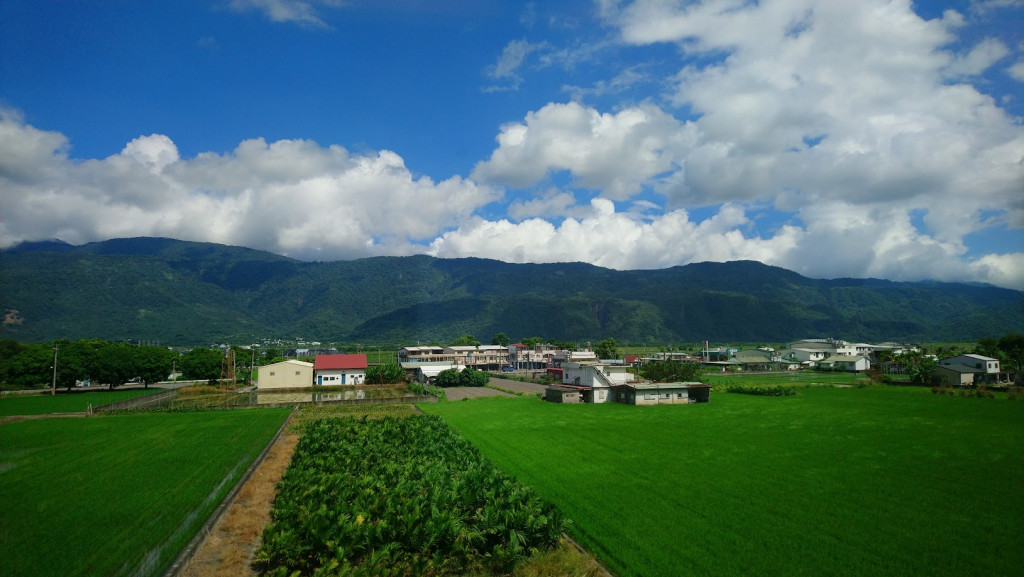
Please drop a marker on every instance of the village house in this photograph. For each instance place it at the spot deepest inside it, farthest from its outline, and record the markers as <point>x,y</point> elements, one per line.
<point>290,374</point>
<point>480,357</point>
<point>754,360</point>
<point>424,354</point>
<point>953,375</point>
<point>983,370</point>
<point>522,357</point>
<point>594,380</point>
<point>806,356</point>
<point>425,373</point>
<point>331,370</point>
<point>575,356</point>
<point>662,393</point>
<point>849,363</point>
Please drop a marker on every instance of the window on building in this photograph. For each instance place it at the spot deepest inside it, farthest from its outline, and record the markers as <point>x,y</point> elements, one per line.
<point>296,372</point>
<point>650,396</point>
<point>271,373</point>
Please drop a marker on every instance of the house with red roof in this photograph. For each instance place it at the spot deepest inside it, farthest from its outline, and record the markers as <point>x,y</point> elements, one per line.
<point>329,370</point>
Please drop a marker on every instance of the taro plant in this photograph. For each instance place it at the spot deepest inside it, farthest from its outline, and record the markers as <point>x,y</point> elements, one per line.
<point>399,497</point>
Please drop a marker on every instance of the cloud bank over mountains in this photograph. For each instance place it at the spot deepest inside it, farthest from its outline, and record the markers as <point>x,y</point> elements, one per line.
<point>836,139</point>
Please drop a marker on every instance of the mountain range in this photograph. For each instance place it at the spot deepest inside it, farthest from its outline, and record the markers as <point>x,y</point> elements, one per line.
<point>185,293</point>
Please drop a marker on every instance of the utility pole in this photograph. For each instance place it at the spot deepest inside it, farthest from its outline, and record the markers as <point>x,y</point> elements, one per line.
<point>53,389</point>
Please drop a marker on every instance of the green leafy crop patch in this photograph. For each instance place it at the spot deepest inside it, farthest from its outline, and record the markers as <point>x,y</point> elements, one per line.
<point>399,496</point>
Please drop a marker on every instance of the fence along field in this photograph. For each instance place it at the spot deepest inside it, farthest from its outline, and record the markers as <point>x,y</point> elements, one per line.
<point>118,495</point>
<point>876,481</point>
<point>65,403</point>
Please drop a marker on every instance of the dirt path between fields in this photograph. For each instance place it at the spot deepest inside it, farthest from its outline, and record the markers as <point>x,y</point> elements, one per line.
<point>228,550</point>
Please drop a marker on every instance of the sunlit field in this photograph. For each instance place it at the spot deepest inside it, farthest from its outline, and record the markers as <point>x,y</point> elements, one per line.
<point>118,495</point>
<point>65,403</point>
<point>833,481</point>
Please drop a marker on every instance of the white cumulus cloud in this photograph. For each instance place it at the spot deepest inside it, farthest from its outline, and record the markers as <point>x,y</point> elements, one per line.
<point>291,196</point>
<point>618,153</point>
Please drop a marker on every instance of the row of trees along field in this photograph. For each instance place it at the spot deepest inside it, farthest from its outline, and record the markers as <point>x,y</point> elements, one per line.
<point>25,365</point>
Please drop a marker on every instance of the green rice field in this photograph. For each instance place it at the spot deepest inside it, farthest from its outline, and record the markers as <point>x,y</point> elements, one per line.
<point>794,378</point>
<point>118,495</point>
<point>834,481</point>
<point>64,403</point>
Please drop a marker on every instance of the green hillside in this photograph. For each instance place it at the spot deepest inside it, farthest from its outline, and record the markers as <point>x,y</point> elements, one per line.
<point>185,293</point>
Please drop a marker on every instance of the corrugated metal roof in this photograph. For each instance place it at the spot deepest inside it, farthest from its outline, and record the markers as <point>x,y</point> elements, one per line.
<point>335,362</point>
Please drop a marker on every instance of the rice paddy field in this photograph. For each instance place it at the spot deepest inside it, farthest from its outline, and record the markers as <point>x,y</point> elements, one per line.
<point>118,495</point>
<point>833,481</point>
<point>65,403</point>
<point>785,378</point>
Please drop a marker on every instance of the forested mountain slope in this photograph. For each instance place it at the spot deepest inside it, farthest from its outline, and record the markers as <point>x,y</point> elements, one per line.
<point>185,293</point>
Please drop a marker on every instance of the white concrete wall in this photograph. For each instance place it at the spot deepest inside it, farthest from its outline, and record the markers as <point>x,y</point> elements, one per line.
<point>334,377</point>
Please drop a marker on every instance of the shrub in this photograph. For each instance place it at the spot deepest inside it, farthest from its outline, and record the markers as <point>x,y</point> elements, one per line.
<point>385,374</point>
<point>768,391</point>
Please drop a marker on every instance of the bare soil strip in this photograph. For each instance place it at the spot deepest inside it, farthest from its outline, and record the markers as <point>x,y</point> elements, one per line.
<point>229,549</point>
<point>459,393</point>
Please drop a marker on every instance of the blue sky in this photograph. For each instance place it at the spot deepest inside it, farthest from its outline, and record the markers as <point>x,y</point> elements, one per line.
<point>837,139</point>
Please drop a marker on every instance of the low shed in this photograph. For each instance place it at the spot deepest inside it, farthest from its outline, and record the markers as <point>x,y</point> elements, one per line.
<point>662,393</point>
<point>561,395</point>
<point>953,375</point>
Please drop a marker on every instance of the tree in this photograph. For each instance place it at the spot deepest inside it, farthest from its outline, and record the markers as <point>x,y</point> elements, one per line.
<point>466,341</point>
<point>988,347</point>
<point>918,366</point>
<point>501,339</point>
<point>114,364</point>
<point>606,349</point>
<point>74,360</point>
<point>29,366</point>
<point>473,378</point>
<point>154,364</point>
<point>532,342</point>
<point>202,364</point>
<point>388,373</point>
<point>671,372</point>
<point>447,378</point>
<point>1012,345</point>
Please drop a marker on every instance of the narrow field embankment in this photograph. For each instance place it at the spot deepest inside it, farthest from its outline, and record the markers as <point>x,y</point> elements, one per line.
<point>229,548</point>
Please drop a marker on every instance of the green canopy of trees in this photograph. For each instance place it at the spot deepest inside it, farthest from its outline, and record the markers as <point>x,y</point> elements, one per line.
<point>464,378</point>
<point>101,362</point>
<point>202,364</point>
<point>465,341</point>
<point>607,349</point>
<point>671,372</point>
<point>385,374</point>
<point>918,365</point>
